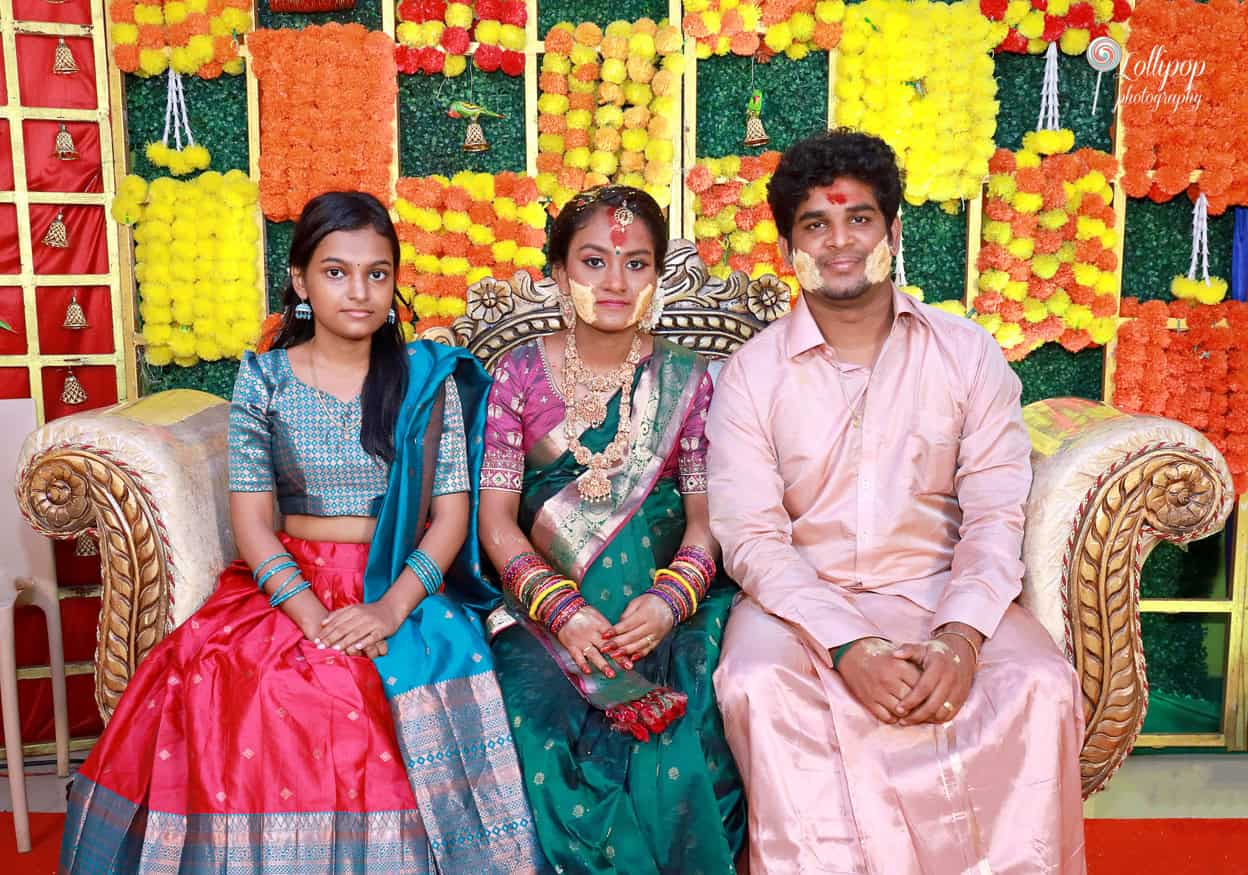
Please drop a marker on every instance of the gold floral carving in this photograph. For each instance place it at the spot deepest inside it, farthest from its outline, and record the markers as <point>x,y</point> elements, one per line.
<point>69,489</point>
<point>1166,492</point>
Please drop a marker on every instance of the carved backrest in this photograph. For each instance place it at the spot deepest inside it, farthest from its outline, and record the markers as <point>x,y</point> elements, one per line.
<point>706,314</point>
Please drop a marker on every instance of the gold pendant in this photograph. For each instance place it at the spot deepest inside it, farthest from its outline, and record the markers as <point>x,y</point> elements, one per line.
<point>594,485</point>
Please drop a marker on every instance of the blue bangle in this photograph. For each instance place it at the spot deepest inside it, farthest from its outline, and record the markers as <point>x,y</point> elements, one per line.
<point>425,569</point>
<point>285,553</point>
<point>281,566</point>
<point>290,595</point>
<point>294,578</point>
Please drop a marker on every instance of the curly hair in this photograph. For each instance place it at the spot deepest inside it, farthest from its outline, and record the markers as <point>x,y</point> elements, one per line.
<point>823,158</point>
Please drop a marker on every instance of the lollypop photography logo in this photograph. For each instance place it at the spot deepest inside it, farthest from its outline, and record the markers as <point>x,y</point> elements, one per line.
<point>1158,80</point>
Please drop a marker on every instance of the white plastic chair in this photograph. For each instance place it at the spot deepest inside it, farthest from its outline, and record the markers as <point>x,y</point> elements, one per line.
<point>27,576</point>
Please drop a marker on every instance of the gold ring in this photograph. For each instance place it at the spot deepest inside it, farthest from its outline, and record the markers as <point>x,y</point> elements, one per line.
<point>948,706</point>
<point>585,650</point>
<point>648,639</point>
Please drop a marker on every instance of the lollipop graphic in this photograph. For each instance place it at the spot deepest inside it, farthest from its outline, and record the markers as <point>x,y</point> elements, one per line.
<point>1104,54</point>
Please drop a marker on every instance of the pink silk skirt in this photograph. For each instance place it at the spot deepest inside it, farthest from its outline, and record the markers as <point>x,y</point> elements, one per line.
<point>237,739</point>
<point>831,789</point>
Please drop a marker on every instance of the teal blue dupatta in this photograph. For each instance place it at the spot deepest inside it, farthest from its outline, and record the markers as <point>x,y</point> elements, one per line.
<point>438,674</point>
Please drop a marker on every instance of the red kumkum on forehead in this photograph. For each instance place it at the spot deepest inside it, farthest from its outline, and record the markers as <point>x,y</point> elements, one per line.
<point>834,194</point>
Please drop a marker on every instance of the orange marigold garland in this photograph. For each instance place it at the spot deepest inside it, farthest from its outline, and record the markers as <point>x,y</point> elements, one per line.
<point>1196,372</point>
<point>608,108</point>
<point>1184,101</point>
<point>455,232</point>
<point>1048,267</point>
<point>194,37</point>
<point>327,114</point>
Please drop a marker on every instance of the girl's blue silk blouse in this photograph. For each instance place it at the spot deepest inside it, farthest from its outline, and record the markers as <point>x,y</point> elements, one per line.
<point>284,439</point>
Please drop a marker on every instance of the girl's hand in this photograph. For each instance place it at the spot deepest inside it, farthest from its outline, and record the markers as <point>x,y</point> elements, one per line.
<point>640,629</point>
<point>582,637</point>
<point>357,628</point>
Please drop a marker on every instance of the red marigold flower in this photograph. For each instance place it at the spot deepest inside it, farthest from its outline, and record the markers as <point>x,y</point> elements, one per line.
<point>993,9</point>
<point>1053,28</point>
<point>514,13</point>
<point>431,60</point>
<point>1081,15</point>
<point>1014,42</point>
<point>455,40</point>
<point>489,10</point>
<point>488,58</point>
<point>409,10</point>
<point>513,63</point>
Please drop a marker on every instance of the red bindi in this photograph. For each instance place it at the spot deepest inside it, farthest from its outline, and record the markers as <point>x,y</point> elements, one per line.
<point>835,196</point>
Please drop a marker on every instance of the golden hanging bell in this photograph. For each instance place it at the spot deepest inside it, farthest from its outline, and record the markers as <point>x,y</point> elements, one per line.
<point>474,138</point>
<point>57,236</point>
<point>64,148</point>
<point>72,392</point>
<point>63,62</point>
<point>84,545</point>
<point>755,133</point>
<point>75,318</point>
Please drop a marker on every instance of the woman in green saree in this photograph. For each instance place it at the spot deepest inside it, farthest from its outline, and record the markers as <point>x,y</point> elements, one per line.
<point>594,510</point>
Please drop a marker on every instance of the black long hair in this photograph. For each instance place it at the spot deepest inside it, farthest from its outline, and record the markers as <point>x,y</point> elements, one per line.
<point>386,381</point>
<point>577,212</point>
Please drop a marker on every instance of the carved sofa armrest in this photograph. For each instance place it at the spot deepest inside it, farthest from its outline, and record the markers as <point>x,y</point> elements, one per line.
<point>149,478</point>
<point>1107,487</point>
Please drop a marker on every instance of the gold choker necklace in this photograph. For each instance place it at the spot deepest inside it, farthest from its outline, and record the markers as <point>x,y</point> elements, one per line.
<point>591,412</point>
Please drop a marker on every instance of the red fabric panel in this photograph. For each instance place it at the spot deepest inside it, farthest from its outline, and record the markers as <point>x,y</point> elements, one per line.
<point>100,381</point>
<point>63,11</point>
<point>39,86</point>
<point>74,570</point>
<point>13,312</point>
<point>10,262</point>
<point>14,383</point>
<point>34,699</point>
<point>50,304</point>
<point>6,160</point>
<point>4,87</point>
<point>88,245</point>
<point>46,172</point>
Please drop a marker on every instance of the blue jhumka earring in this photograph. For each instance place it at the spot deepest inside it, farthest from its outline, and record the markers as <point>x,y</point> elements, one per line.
<point>303,310</point>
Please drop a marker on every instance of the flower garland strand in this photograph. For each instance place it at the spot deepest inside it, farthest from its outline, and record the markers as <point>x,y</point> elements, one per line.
<point>196,253</point>
<point>1184,110</point>
<point>179,160</point>
<point>338,100</point>
<point>455,232</point>
<point>937,107</point>
<point>1207,290</point>
<point>763,28</point>
<point>608,104</point>
<point>191,37</point>
<point>1031,26</point>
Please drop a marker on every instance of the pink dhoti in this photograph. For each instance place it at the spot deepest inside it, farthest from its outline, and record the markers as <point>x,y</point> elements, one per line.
<point>831,789</point>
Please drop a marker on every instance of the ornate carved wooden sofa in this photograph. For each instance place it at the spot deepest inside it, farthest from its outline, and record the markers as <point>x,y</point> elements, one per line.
<point>149,478</point>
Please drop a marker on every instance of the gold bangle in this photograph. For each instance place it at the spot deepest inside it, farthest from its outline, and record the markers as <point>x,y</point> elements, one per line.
<point>688,587</point>
<point>966,638</point>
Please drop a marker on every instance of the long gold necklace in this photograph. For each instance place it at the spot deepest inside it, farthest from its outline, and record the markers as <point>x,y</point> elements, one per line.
<point>591,411</point>
<point>855,410</point>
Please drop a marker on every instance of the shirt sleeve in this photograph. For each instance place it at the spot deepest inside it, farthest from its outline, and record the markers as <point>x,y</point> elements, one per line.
<point>503,466</point>
<point>250,432</point>
<point>992,481</point>
<point>748,518</point>
<point>691,456</point>
<point>451,473</point>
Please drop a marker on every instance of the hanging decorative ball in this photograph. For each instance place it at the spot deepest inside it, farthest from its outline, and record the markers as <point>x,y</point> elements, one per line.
<point>64,148</point>
<point>57,236</point>
<point>73,392</point>
<point>85,545</point>
<point>63,63</point>
<point>75,318</point>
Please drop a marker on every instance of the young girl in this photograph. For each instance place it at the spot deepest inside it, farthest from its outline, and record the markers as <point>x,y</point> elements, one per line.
<point>331,708</point>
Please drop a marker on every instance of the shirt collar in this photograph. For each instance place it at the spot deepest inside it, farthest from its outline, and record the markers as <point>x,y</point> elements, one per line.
<point>804,334</point>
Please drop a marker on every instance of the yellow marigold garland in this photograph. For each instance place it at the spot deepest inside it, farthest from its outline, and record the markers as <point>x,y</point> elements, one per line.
<point>196,262</point>
<point>195,37</point>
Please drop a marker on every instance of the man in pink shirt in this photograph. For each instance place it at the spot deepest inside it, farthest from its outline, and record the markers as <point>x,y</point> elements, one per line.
<point>890,707</point>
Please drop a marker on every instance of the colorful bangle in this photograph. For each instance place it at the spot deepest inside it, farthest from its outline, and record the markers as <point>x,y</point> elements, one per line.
<point>566,614</point>
<point>290,595</point>
<point>692,573</point>
<point>558,603</point>
<point>542,594</point>
<point>286,553</point>
<point>698,556</point>
<point>679,584</point>
<point>668,600</point>
<point>281,566</point>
